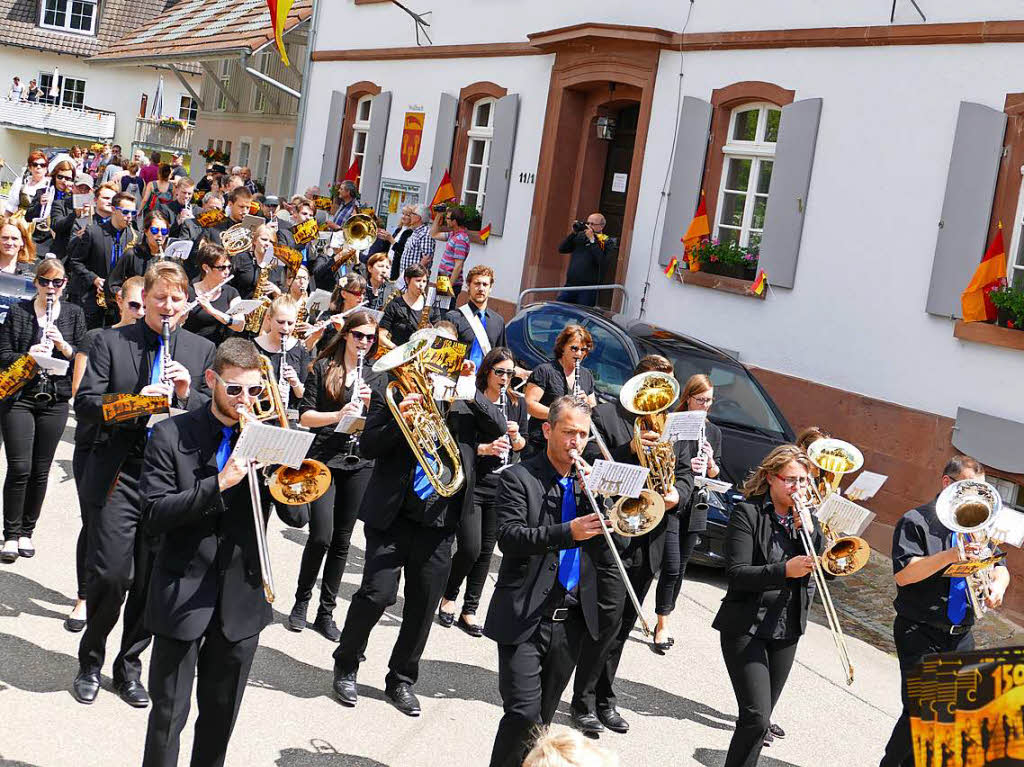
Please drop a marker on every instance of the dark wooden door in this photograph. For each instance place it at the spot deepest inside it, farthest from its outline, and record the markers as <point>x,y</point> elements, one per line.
<point>613,191</point>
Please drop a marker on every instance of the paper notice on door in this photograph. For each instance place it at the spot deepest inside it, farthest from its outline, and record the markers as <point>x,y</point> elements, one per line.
<point>619,182</point>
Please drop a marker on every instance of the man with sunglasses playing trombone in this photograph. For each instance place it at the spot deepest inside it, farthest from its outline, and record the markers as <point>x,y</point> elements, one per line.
<point>93,254</point>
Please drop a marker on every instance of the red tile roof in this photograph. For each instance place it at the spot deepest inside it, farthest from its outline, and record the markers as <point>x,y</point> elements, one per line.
<point>196,29</point>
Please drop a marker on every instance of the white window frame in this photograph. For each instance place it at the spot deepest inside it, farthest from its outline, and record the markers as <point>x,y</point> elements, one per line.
<point>283,189</point>
<point>483,134</point>
<point>1014,256</point>
<point>244,150</point>
<point>66,26</point>
<point>61,80</point>
<point>758,151</point>
<point>360,130</point>
<point>261,172</point>
<point>225,77</point>
<point>190,108</point>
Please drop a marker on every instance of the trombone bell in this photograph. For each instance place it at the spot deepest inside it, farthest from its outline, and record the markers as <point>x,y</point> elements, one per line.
<point>359,231</point>
<point>633,517</point>
<point>846,556</point>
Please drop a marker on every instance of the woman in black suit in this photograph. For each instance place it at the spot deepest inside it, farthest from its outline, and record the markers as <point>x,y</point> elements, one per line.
<point>764,611</point>
<point>33,418</point>
<point>53,231</point>
<point>684,529</point>
<point>478,527</point>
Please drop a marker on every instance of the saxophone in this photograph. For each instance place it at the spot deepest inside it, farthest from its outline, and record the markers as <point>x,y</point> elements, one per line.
<point>301,316</point>
<point>254,320</point>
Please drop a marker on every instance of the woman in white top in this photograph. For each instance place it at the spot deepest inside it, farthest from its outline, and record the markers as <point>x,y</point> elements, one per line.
<point>24,188</point>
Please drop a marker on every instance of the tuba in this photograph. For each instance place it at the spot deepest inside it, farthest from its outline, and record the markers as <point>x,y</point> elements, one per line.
<point>423,425</point>
<point>844,554</point>
<point>237,239</point>
<point>968,508</point>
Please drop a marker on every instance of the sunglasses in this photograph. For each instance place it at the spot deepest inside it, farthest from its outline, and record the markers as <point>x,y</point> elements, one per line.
<point>221,268</point>
<point>135,306</point>
<point>65,178</point>
<point>235,389</point>
<point>356,293</point>
<point>126,213</point>
<point>504,372</point>
<point>584,349</point>
<point>159,230</point>
<point>360,336</point>
<point>37,165</point>
<point>57,282</point>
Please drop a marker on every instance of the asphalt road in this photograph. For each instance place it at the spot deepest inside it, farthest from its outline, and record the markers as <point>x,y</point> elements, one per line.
<point>680,705</point>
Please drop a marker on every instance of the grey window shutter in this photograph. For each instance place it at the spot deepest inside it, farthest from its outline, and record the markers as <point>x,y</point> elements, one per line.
<point>373,161</point>
<point>992,440</point>
<point>966,206</point>
<point>787,193</point>
<point>447,111</point>
<point>332,141</point>
<point>499,162</point>
<point>687,173</point>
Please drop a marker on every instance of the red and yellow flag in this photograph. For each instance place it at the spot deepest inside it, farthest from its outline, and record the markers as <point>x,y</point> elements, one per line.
<point>760,283</point>
<point>278,16</point>
<point>352,174</point>
<point>485,232</point>
<point>696,232</point>
<point>671,268</point>
<point>445,191</point>
<point>975,303</point>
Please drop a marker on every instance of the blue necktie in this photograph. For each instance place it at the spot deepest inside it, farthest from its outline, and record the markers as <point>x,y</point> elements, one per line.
<point>476,352</point>
<point>956,609</point>
<point>421,484</point>
<point>158,363</point>
<point>115,250</point>
<point>568,559</point>
<point>224,449</point>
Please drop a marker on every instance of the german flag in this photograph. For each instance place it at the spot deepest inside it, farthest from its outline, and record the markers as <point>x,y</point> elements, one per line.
<point>760,283</point>
<point>485,233</point>
<point>352,174</point>
<point>671,268</point>
<point>975,304</point>
<point>445,191</point>
<point>278,16</point>
<point>697,231</point>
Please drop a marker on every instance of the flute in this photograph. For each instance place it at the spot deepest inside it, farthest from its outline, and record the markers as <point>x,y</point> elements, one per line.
<point>324,323</point>
<point>201,295</point>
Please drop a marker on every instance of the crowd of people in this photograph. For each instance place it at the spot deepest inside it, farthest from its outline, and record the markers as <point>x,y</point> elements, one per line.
<point>168,547</point>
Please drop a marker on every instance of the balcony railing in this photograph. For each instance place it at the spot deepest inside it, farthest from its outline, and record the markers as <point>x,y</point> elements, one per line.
<point>54,120</point>
<point>150,134</point>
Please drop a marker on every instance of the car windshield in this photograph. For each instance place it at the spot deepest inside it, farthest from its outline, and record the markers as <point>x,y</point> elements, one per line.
<point>738,400</point>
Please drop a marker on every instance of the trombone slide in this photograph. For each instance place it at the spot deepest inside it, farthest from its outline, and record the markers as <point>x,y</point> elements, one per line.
<point>260,525</point>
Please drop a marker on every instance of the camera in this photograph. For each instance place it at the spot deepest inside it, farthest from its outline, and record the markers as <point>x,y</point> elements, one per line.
<point>578,226</point>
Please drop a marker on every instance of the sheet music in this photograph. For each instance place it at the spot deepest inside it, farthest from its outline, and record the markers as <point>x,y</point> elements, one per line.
<point>844,516</point>
<point>1008,527</point>
<point>244,307</point>
<point>81,200</point>
<point>618,479</point>
<point>249,221</point>
<point>865,486</point>
<point>374,313</point>
<point>712,484</point>
<point>267,444</point>
<point>54,365</point>
<point>684,425</point>
<point>179,249</point>
<point>349,424</point>
<point>337,240</point>
<point>318,302</point>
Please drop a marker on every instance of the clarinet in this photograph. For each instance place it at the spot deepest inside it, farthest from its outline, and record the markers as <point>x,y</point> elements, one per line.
<point>165,358</point>
<point>45,391</point>
<point>503,404</point>
<point>577,393</point>
<point>283,386</point>
<point>352,454</point>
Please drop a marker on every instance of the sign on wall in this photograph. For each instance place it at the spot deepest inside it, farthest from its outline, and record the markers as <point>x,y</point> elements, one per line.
<point>393,195</point>
<point>412,133</point>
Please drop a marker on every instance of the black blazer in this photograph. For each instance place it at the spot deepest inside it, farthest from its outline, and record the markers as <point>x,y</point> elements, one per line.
<point>207,556</point>
<point>89,257</point>
<point>751,575</point>
<point>119,363</point>
<point>383,442</point>
<point>495,327</point>
<point>531,533</point>
<point>21,331</point>
<point>247,273</point>
<point>133,263</point>
<point>62,223</point>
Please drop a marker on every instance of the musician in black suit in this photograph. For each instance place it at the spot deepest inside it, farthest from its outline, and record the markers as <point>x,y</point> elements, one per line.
<point>130,359</point>
<point>93,254</point>
<point>235,210</point>
<point>246,266</point>
<point>546,596</point>
<point>764,611</point>
<point>146,249</point>
<point>479,283</point>
<point>593,701</point>
<point>179,210</point>
<point>53,231</point>
<point>409,527</point>
<point>206,604</point>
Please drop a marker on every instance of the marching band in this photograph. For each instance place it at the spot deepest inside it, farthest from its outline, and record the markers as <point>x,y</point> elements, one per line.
<point>169,363</point>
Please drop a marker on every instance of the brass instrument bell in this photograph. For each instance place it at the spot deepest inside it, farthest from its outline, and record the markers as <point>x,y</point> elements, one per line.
<point>359,231</point>
<point>237,239</point>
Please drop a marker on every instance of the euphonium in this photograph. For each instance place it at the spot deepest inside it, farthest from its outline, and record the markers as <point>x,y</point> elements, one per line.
<point>968,508</point>
<point>422,424</point>
<point>648,396</point>
<point>844,554</point>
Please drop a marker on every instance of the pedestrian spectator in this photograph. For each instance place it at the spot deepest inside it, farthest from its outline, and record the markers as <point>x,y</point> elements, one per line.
<point>34,93</point>
<point>77,157</point>
<point>100,161</point>
<point>392,243</point>
<point>587,262</point>
<point>17,90</point>
<point>348,202</point>
<point>246,175</point>
<point>419,248</point>
<point>177,166</point>
<point>232,183</point>
<point>113,170</point>
<point>16,246</point>
<point>456,251</point>
<point>160,191</point>
<point>150,172</point>
<point>132,183</point>
<point>24,188</point>
<point>313,191</point>
<point>139,157</point>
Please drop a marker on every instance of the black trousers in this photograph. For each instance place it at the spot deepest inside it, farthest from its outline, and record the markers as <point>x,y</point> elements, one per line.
<point>31,434</point>
<point>122,560</point>
<point>531,679</point>
<point>424,554</point>
<point>332,518</point>
<point>223,671</point>
<point>758,669</point>
<point>79,460</point>
<point>678,549</point>
<point>477,536</point>
<point>593,686</point>
<point>913,642</point>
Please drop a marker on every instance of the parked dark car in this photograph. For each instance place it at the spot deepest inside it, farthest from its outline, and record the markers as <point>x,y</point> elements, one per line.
<point>751,423</point>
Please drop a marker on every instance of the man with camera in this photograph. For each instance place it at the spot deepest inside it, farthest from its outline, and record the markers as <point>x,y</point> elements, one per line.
<point>586,243</point>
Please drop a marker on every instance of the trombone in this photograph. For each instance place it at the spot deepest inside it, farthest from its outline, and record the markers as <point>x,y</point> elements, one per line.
<point>834,458</point>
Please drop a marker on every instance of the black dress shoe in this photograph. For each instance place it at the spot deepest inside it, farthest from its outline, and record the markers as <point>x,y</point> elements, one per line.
<point>133,693</point>
<point>325,625</point>
<point>445,619</point>
<point>473,629</point>
<point>86,686</point>
<point>612,719</point>
<point>345,688</point>
<point>587,723</point>
<point>402,698</point>
<point>74,625</point>
<point>777,731</point>
<point>297,617</point>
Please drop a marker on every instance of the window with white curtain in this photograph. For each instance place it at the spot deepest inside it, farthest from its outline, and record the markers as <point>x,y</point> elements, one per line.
<point>478,151</point>
<point>360,132</point>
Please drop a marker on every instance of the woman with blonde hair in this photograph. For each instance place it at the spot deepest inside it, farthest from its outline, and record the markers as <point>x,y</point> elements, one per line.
<point>764,611</point>
<point>562,747</point>
<point>16,246</point>
<point>289,359</point>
